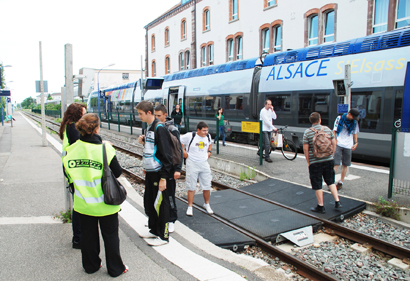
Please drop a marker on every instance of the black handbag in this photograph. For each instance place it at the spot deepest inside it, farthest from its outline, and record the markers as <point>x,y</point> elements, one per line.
<point>114,192</point>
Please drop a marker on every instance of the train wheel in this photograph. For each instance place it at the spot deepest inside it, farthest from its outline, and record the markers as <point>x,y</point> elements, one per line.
<point>289,150</point>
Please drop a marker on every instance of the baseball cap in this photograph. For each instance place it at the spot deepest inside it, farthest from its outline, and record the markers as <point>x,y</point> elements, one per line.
<point>355,113</point>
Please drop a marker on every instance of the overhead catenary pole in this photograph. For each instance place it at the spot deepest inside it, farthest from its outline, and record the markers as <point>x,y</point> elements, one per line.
<point>68,62</point>
<point>43,114</point>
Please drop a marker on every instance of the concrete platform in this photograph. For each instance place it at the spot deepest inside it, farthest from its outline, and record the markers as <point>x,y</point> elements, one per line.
<point>34,246</point>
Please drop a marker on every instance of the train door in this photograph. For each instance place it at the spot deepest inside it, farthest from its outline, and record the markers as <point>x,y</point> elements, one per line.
<point>176,96</point>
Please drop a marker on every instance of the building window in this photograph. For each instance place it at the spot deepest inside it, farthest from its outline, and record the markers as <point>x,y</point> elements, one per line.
<point>166,36</point>
<point>277,38</point>
<point>380,15</point>
<point>239,47</point>
<point>183,29</point>
<point>167,65</point>
<point>181,61</point>
<point>265,40</point>
<point>152,42</point>
<point>203,54</point>
<point>230,50</point>
<point>403,13</point>
<point>153,69</point>
<point>234,9</point>
<point>206,20</point>
<point>211,54</point>
<point>329,26</point>
<point>271,3</point>
<point>313,30</point>
<point>188,59</point>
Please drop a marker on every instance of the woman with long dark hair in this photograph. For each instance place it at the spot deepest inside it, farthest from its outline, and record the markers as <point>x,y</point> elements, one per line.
<point>69,135</point>
<point>221,125</point>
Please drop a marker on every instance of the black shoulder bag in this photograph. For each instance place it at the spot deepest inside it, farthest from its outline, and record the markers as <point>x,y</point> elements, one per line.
<point>114,192</point>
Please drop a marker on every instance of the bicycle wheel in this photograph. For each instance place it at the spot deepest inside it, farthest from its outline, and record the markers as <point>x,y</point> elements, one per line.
<point>289,150</point>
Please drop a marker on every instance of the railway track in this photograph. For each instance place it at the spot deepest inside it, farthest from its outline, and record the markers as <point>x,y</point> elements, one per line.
<point>332,228</point>
<point>303,268</point>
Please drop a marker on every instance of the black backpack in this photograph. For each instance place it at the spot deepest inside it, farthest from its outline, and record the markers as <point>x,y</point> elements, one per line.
<point>175,145</point>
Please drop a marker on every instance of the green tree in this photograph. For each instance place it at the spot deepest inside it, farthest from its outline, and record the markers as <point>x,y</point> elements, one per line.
<point>49,97</point>
<point>26,103</point>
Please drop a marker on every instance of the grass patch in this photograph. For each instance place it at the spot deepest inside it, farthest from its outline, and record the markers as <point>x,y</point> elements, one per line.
<point>247,175</point>
<point>66,217</point>
<point>387,208</point>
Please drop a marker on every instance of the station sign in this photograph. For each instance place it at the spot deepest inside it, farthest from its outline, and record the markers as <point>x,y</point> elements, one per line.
<point>250,127</point>
<point>342,108</point>
<point>5,93</point>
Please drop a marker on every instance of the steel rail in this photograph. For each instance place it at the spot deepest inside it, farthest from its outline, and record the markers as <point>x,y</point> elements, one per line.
<point>351,234</point>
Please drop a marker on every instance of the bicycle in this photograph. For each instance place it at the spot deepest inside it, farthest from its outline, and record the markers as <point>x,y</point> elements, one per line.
<point>289,150</point>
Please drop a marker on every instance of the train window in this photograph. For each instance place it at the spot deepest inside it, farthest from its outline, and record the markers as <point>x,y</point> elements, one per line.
<point>309,103</point>
<point>369,105</point>
<point>234,102</point>
<point>398,105</point>
<point>281,103</point>
<point>195,106</point>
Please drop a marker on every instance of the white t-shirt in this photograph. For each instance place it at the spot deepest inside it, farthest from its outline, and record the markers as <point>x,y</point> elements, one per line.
<point>343,139</point>
<point>198,151</point>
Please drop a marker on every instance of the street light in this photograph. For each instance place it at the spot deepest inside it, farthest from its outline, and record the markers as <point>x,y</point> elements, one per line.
<point>1,98</point>
<point>99,94</point>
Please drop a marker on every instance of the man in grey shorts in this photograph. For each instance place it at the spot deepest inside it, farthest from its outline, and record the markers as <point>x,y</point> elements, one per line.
<point>345,129</point>
<point>198,146</point>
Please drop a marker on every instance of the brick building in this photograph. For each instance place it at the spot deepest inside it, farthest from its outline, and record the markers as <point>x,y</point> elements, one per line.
<point>196,33</point>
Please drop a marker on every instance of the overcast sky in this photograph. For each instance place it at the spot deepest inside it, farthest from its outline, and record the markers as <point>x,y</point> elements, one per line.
<point>101,32</point>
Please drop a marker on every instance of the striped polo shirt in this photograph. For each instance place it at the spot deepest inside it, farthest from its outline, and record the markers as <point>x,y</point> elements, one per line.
<point>308,138</point>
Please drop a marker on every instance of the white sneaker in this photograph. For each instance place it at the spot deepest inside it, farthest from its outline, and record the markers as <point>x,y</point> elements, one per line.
<point>171,227</point>
<point>208,209</point>
<point>147,234</point>
<point>156,242</point>
<point>189,212</point>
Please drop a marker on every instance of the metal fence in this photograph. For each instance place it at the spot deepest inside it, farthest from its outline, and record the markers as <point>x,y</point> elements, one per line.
<point>51,113</point>
<point>399,179</point>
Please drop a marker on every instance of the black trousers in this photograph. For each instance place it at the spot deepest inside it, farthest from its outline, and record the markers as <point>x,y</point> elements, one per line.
<point>173,213</point>
<point>90,244</point>
<point>157,221</point>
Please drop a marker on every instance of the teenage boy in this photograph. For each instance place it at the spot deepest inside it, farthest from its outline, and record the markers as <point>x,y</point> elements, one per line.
<point>157,165</point>
<point>161,114</point>
<point>199,148</point>
<point>320,167</point>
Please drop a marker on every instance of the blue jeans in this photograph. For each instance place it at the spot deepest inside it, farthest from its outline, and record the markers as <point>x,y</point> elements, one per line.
<point>178,126</point>
<point>221,130</point>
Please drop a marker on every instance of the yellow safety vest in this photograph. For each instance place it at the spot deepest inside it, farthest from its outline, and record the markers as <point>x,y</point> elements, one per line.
<point>84,165</point>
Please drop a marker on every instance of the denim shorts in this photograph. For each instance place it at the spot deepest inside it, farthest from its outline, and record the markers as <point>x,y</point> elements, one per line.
<point>343,155</point>
<point>319,170</point>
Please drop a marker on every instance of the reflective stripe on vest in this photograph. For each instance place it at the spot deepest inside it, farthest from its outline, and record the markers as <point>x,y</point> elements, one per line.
<point>84,164</point>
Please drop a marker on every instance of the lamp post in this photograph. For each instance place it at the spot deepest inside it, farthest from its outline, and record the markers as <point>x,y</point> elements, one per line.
<point>1,98</point>
<point>99,94</point>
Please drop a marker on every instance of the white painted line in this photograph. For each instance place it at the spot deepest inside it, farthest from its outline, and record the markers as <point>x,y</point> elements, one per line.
<point>196,265</point>
<point>29,220</point>
<point>50,139</point>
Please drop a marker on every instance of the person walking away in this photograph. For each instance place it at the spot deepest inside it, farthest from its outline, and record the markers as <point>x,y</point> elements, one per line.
<point>158,169</point>
<point>320,167</point>
<point>84,166</point>
<point>69,135</point>
<point>221,126</point>
<point>176,114</point>
<point>345,128</point>
<point>199,148</point>
<point>266,115</point>
<point>161,114</point>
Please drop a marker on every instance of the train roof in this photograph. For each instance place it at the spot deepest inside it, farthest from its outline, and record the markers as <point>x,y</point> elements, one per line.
<point>123,86</point>
<point>226,67</point>
<point>375,42</point>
